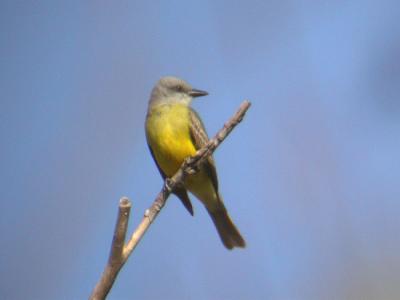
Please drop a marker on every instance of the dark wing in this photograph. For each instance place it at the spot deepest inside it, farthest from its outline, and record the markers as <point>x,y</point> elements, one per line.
<point>180,192</point>
<point>200,139</point>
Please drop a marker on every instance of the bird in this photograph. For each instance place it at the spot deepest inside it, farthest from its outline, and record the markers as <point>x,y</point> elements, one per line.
<point>174,132</point>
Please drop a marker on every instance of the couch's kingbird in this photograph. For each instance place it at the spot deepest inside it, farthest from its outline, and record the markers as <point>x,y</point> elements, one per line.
<point>174,131</point>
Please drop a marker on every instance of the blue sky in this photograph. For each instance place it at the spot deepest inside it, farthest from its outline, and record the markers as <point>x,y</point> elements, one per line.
<point>311,177</point>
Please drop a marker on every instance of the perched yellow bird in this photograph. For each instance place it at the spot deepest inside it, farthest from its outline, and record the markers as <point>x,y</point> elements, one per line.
<point>174,131</point>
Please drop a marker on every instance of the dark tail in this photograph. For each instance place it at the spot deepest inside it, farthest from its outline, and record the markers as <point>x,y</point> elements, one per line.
<point>229,234</point>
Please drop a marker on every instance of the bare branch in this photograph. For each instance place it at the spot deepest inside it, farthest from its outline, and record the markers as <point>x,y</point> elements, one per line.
<point>116,259</point>
<point>119,252</point>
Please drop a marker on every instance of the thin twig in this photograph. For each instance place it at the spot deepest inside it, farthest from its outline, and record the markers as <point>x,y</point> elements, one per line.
<point>119,252</point>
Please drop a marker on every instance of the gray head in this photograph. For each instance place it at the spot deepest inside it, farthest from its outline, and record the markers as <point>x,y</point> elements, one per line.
<point>173,90</point>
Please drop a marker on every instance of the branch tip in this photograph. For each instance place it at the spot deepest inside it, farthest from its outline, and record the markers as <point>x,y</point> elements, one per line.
<point>125,202</point>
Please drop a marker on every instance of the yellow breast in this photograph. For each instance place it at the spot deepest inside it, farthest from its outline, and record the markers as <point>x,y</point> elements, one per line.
<point>167,132</point>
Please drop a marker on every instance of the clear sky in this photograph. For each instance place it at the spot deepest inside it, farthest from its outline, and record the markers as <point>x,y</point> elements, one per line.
<point>311,177</point>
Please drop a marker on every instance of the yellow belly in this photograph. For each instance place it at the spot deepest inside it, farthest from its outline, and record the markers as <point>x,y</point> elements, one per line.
<point>167,132</point>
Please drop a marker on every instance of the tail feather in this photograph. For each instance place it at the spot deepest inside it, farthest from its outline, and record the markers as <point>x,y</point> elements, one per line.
<point>229,234</point>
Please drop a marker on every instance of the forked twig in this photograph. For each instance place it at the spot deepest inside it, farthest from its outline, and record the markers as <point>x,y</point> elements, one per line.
<point>119,250</point>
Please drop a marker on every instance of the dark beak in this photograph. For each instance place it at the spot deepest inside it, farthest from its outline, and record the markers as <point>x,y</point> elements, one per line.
<point>197,93</point>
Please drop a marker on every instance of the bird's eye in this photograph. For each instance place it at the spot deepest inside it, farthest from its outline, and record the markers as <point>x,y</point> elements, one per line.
<point>179,88</point>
